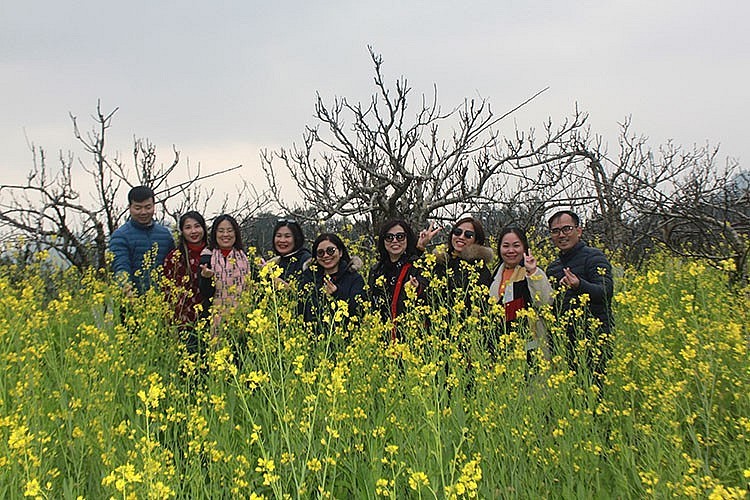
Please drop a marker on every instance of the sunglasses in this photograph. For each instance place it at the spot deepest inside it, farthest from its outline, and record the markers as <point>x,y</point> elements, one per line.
<point>469,234</point>
<point>394,236</point>
<point>286,221</point>
<point>330,251</point>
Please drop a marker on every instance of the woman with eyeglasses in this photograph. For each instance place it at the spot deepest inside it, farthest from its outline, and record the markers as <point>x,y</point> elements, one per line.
<point>332,275</point>
<point>398,248</point>
<point>519,283</point>
<point>466,258</point>
<point>288,245</point>
<point>224,267</point>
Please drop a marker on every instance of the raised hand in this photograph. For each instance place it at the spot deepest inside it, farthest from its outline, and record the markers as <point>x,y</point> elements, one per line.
<point>570,279</point>
<point>329,286</point>
<point>529,262</point>
<point>426,235</point>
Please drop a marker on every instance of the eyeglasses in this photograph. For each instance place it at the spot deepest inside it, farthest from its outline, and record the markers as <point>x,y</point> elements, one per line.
<point>394,236</point>
<point>467,234</point>
<point>322,251</point>
<point>555,231</point>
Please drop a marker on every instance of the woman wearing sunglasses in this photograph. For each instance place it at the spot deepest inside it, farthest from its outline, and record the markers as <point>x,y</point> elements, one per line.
<point>398,248</point>
<point>467,259</point>
<point>332,275</point>
<point>519,283</point>
<point>288,245</point>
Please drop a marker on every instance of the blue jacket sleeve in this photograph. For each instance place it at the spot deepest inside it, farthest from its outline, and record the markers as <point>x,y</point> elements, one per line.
<point>118,245</point>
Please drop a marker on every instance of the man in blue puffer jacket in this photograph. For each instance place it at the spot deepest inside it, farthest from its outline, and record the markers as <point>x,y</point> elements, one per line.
<point>131,242</point>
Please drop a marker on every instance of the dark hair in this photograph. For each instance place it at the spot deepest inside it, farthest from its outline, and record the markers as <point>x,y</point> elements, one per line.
<point>297,234</point>
<point>181,243</point>
<point>560,213</point>
<point>192,214</point>
<point>333,239</point>
<point>237,236</point>
<point>479,236</point>
<point>518,232</point>
<point>139,194</point>
<point>411,239</point>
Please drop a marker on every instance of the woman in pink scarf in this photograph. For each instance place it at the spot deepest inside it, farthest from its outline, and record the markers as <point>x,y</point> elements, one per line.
<point>224,267</point>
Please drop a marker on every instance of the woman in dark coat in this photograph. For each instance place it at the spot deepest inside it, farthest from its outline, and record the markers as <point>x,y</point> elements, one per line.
<point>332,275</point>
<point>288,245</point>
<point>466,260</point>
<point>398,249</point>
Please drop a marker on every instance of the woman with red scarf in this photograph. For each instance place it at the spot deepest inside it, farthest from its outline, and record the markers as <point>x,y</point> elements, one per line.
<point>181,269</point>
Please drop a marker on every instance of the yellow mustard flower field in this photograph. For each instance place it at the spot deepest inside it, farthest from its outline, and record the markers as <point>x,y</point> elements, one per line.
<point>100,398</point>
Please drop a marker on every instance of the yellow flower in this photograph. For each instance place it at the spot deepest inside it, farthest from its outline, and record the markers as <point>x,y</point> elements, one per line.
<point>32,489</point>
<point>417,480</point>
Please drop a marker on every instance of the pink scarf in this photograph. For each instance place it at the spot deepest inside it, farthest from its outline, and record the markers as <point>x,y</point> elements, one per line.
<point>230,276</point>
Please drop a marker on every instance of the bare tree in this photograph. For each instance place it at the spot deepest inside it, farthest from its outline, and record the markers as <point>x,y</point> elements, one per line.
<point>679,197</point>
<point>49,211</point>
<point>378,160</point>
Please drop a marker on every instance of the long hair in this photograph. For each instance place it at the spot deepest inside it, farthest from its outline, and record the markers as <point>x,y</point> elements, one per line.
<point>411,239</point>
<point>479,236</point>
<point>296,230</point>
<point>237,236</point>
<point>181,243</point>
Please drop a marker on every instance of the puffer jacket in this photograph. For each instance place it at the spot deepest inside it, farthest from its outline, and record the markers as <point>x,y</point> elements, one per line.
<point>349,286</point>
<point>382,281</point>
<point>292,265</point>
<point>591,266</point>
<point>469,266</point>
<point>477,256</point>
<point>131,242</point>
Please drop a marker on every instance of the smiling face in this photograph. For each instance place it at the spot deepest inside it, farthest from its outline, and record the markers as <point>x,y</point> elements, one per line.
<point>283,240</point>
<point>395,242</point>
<point>565,233</point>
<point>225,236</point>
<point>328,256</point>
<point>143,211</point>
<point>460,240</point>
<point>192,231</point>
<point>511,250</point>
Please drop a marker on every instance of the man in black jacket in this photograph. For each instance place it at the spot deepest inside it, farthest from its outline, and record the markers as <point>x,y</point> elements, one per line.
<point>583,278</point>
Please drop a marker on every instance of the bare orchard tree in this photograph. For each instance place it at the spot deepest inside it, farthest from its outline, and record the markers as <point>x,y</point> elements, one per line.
<point>380,160</point>
<point>680,197</point>
<point>51,213</point>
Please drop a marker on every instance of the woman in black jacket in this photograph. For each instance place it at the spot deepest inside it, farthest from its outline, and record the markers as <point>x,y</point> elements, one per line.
<point>288,245</point>
<point>398,249</point>
<point>466,260</point>
<point>332,276</point>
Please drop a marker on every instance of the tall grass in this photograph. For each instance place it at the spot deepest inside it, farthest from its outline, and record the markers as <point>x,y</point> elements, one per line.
<point>99,398</point>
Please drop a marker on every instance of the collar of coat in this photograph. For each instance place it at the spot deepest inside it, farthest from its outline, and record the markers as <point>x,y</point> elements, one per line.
<point>519,273</point>
<point>355,264</point>
<point>472,253</point>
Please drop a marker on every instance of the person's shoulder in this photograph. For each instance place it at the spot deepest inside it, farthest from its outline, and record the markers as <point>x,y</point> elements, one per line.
<point>123,229</point>
<point>162,229</point>
<point>590,251</point>
<point>474,253</point>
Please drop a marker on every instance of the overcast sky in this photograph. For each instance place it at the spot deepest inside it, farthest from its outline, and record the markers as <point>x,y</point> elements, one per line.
<point>221,80</point>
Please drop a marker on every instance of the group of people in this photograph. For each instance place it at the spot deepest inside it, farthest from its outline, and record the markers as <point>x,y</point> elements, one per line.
<point>207,271</point>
